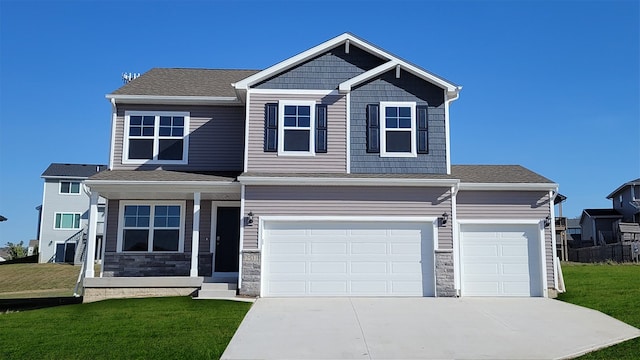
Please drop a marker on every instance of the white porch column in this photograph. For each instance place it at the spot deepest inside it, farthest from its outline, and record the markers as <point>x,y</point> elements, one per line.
<point>195,238</point>
<point>91,235</point>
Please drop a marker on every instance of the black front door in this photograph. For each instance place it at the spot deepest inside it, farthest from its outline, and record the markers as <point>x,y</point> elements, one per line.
<point>227,239</point>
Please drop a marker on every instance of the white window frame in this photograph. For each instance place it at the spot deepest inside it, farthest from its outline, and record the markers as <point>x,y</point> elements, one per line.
<point>383,129</point>
<point>152,205</point>
<point>156,137</point>
<point>70,182</point>
<point>312,127</point>
<point>55,215</point>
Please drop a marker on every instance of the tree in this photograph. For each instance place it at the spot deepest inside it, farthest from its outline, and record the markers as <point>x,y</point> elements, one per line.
<point>16,251</point>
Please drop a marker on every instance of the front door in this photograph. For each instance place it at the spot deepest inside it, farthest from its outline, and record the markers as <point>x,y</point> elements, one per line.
<point>227,239</point>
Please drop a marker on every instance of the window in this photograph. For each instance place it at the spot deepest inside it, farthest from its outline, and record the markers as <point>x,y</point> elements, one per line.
<point>397,129</point>
<point>158,137</point>
<point>147,227</point>
<point>67,221</point>
<point>69,187</point>
<point>296,123</point>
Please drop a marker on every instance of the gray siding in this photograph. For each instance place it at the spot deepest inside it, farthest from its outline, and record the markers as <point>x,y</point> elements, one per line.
<point>509,205</point>
<point>346,201</point>
<point>111,238</point>
<point>216,142</point>
<point>407,88</point>
<point>205,227</point>
<point>335,160</point>
<point>324,72</point>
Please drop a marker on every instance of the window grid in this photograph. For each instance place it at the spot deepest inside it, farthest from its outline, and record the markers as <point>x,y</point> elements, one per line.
<point>139,233</point>
<point>69,187</point>
<point>158,137</point>
<point>67,221</point>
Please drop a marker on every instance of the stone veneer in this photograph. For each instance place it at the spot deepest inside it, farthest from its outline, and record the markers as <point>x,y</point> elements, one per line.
<point>445,286</point>
<point>123,265</point>
<point>250,284</point>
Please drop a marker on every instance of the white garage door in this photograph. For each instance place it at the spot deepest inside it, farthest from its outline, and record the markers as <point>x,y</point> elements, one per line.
<point>347,259</point>
<point>500,260</point>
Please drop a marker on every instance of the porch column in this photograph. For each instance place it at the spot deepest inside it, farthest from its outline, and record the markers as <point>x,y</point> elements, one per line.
<point>195,238</point>
<point>91,235</point>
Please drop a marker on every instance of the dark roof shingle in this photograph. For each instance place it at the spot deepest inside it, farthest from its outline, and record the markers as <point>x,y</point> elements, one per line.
<point>164,175</point>
<point>72,170</point>
<point>185,82</point>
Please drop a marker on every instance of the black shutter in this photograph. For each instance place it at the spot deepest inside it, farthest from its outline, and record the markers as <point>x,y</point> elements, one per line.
<point>373,129</point>
<point>271,127</point>
<point>423,129</point>
<point>321,128</point>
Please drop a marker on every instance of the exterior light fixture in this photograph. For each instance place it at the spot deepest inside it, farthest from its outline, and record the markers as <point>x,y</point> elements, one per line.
<point>444,219</point>
<point>250,218</point>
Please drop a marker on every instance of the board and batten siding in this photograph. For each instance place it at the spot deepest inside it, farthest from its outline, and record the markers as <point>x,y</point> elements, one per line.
<point>509,205</point>
<point>346,201</point>
<point>216,139</point>
<point>333,161</point>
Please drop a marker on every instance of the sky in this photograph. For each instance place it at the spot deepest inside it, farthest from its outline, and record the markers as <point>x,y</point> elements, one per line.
<point>550,85</point>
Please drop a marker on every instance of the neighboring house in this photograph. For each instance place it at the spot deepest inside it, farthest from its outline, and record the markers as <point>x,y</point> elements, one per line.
<point>574,233</point>
<point>64,212</point>
<point>32,248</point>
<point>626,200</point>
<point>597,226</point>
<point>327,174</point>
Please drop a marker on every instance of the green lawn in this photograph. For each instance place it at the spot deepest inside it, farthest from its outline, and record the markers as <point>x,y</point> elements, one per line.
<point>611,289</point>
<point>153,328</point>
<point>37,280</point>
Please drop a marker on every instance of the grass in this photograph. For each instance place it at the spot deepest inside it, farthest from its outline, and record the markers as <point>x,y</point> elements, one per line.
<point>37,280</point>
<point>153,328</point>
<point>613,289</point>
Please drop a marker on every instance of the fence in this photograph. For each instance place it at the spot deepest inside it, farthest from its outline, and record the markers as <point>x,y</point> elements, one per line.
<point>618,252</point>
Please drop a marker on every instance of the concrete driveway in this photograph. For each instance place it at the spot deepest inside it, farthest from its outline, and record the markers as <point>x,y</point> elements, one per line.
<point>422,328</point>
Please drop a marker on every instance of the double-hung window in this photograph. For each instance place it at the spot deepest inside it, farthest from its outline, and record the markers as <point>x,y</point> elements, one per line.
<point>69,187</point>
<point>67,221</point>
<point>398,129</point>
<point>156,137</point>
<point>296,128</point>
<point>152,227</point>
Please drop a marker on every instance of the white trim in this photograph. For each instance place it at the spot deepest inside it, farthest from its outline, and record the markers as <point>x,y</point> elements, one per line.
<point>195,237</point>
<point>552,228</point>
<point>151,204</point>
<point>91,235</point>
<point>246,131</point>
<point>543,259</point>
<point>174,100</point>
<point>114,119</point>
<point>338,181</point>
<point>281,128</point>
<point>447,128</point>
<point>346,86</point>
<point>383,129</point>
<point>338,40</point>
<point>55,214</point>
<point>293,92</point>
<point>104,237</point>
<point>499,221</point>
<point>79,182</point>
<point>156,137</point>
<point>241,245</point>
<point>215,204</point>
<point>455,228</point>
<point>509,186</point>
<point>348,130</point>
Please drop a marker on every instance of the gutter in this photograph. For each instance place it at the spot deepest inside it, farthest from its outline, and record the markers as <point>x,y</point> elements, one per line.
<point>337,181</point>
<point>174,100</point>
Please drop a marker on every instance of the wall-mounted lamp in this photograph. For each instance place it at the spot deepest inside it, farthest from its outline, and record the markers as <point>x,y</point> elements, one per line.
<point>250,218</point>
<point>547,221</point>
<point>443,219</point>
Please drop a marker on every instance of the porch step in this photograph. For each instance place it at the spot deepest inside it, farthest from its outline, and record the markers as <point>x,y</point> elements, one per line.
<point>217,290</point>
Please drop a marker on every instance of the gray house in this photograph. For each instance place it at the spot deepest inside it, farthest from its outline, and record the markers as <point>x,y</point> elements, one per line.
<point>626,200</point>
<point>64,212</point>
<point>327,174</point>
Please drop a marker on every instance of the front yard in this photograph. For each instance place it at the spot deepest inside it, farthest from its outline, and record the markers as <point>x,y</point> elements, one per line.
<point>609,288</point>
<point>37,280</point>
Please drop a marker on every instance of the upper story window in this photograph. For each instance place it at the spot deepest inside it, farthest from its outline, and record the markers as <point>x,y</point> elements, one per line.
<point>151,227</point>
<point>157,137</point>
<point>294,127</point>
<point>397,129</point>
<point>67,221</point>
<point>69,187</point>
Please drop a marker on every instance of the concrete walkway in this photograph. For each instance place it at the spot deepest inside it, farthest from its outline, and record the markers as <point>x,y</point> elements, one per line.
<point>422,328</point>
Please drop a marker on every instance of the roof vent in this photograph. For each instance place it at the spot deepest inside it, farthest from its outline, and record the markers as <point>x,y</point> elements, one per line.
<point>127,77</point>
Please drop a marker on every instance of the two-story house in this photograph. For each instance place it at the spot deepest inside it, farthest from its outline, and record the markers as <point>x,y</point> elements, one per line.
<point>64,212</point>
<point>327,174</point>
<point>626,200</point>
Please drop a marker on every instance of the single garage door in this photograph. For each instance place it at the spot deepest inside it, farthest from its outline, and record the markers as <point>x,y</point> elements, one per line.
<point>500,260</point>
<point>320,258</point>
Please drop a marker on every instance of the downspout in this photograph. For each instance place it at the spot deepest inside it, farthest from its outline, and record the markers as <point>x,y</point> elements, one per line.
<point>552,228</point>
<point>456,241</point>
<point>447,101</point>
<point>114,115</point>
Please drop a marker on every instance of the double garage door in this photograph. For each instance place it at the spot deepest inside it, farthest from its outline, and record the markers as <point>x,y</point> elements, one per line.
<point>334,258</point>
<point>500,260</point>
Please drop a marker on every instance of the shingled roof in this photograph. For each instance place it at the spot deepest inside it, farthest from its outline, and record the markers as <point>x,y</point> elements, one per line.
<point>72,170</point>
<point>185,82</point>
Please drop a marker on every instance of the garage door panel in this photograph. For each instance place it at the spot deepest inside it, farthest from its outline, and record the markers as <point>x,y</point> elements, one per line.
<point>348,258</point>
<point>500,260</point>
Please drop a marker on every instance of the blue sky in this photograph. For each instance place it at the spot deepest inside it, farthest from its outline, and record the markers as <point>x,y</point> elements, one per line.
<point>553,86</point>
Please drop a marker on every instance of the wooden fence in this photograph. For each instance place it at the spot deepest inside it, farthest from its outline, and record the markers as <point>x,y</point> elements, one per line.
<point>618,252</point>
